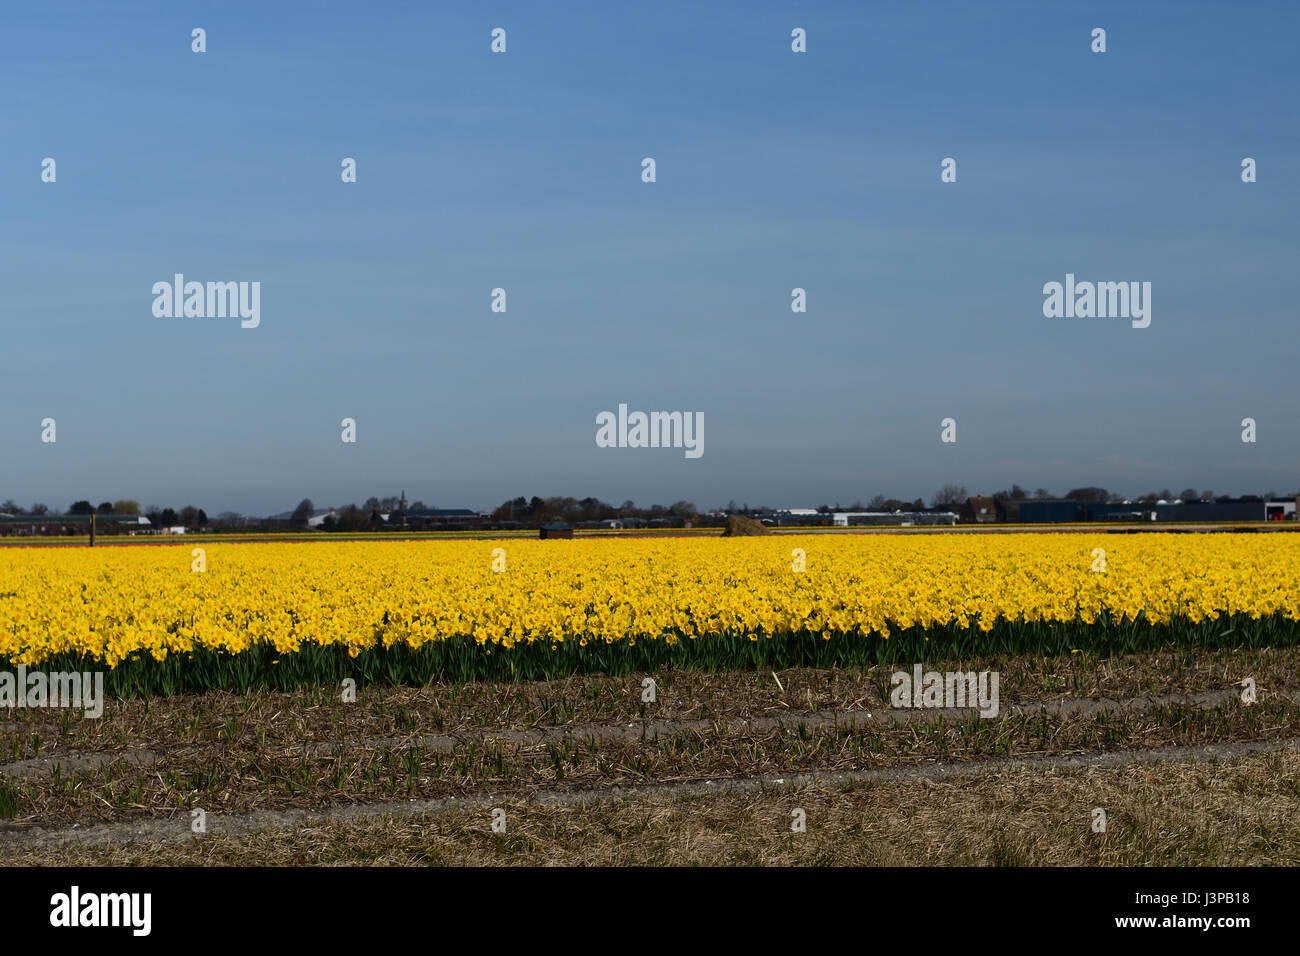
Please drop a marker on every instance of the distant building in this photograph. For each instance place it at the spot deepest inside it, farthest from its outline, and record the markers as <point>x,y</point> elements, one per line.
<point>1069,511</point>
<point>1220,511</point>
<point>796,517</point>
<point>436,518</point>
<point>551,531</point>
<point>48,524</point>
<point>800,517</point>
<point>668,521</point>
<point>979,510</point>
<point>1281,509</point>
<point>845,519</point>
<point>285,519</point>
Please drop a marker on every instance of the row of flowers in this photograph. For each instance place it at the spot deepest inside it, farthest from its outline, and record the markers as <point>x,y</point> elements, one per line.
<point>115,603</point>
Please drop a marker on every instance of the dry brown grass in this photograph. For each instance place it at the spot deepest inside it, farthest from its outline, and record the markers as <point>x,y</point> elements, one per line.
<point>1241,811</point>
<point>145,764</point>
<point>316,715</point>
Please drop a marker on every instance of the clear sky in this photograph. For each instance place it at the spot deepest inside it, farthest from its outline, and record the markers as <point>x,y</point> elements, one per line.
<point>522,170</point>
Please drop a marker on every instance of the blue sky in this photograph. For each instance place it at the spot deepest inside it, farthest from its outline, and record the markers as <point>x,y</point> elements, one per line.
<point>522,171</point>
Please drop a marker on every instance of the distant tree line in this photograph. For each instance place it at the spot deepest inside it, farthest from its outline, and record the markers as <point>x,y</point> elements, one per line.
<point>536,510</point>
<point>949,494</point>
<point>564,510</point>
<point>189,516</point>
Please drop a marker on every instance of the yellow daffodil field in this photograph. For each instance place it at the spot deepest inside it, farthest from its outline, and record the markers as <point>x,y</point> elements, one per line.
<point>383,607</point>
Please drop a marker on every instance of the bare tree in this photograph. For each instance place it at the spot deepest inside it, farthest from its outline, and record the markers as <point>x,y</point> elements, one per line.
<point>949,495</point>
<point>1088,494</point>
<point>303,512</point>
